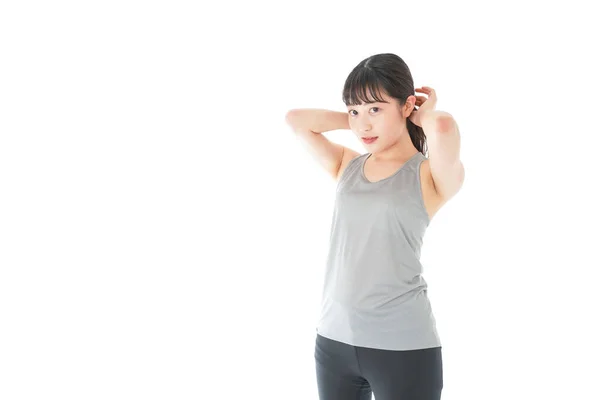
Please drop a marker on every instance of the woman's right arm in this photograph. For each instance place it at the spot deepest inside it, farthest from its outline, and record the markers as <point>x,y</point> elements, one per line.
<point>308,124</point>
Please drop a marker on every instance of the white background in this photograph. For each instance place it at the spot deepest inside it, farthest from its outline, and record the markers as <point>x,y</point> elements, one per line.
<point>163,234</point>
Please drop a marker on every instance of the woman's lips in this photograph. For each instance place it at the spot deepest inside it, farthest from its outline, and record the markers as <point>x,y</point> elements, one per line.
<point>369,140</point>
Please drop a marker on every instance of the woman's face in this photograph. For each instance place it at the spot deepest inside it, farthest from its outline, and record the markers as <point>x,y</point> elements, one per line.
<point>384,120</point>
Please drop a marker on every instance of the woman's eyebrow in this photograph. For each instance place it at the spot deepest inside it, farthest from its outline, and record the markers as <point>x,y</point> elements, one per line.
<point>370,102</point>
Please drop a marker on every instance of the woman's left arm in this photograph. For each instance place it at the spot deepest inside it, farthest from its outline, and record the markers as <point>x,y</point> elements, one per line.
<point>443,143</point>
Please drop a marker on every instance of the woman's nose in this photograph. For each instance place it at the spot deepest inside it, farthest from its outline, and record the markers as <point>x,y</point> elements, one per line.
<point>364,128</point>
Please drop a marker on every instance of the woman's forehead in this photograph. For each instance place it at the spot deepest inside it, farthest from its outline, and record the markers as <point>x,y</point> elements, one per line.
<point>387,100</point>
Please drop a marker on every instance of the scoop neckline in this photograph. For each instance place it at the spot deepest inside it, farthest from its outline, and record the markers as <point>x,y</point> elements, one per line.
<point>362,168</point>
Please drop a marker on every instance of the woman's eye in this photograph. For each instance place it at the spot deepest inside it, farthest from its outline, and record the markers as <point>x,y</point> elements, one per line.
<point>374,108</point>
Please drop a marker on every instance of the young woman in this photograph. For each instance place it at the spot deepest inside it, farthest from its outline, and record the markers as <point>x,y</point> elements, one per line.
<point>377,333</point>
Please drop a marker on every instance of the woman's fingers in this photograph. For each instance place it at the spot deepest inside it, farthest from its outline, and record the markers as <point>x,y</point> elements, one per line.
<point>420,100</point>
<point>425,89</point>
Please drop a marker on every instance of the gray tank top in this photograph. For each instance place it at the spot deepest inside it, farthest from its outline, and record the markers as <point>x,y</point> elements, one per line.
<point>374,295</point>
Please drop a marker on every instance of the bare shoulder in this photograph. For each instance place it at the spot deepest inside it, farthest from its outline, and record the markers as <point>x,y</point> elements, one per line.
<point>348,155</point>
<point>433,201</point>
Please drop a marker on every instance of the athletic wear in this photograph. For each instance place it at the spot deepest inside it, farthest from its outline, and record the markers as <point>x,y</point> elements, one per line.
<point>347,372</point>
<point>373,294</point>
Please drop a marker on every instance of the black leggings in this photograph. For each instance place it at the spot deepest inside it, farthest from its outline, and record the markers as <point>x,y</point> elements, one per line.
<point>346,372</point>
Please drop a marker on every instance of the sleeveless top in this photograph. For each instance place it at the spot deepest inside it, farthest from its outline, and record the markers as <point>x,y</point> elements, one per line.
<point>373,294</point>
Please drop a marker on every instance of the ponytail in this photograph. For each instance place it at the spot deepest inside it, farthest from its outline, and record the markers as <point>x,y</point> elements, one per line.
<point>417,136</point>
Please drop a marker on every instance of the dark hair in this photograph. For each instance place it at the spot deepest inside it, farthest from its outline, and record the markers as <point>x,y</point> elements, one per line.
<point>389,73</point>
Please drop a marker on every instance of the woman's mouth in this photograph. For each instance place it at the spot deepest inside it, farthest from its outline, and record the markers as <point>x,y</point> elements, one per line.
<point>369,140</point>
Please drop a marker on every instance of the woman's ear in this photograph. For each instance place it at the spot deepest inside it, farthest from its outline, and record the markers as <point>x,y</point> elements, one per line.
<point>409,106</point>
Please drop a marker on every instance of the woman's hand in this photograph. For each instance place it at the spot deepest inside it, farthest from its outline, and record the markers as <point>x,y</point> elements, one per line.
<point>424,103</point>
